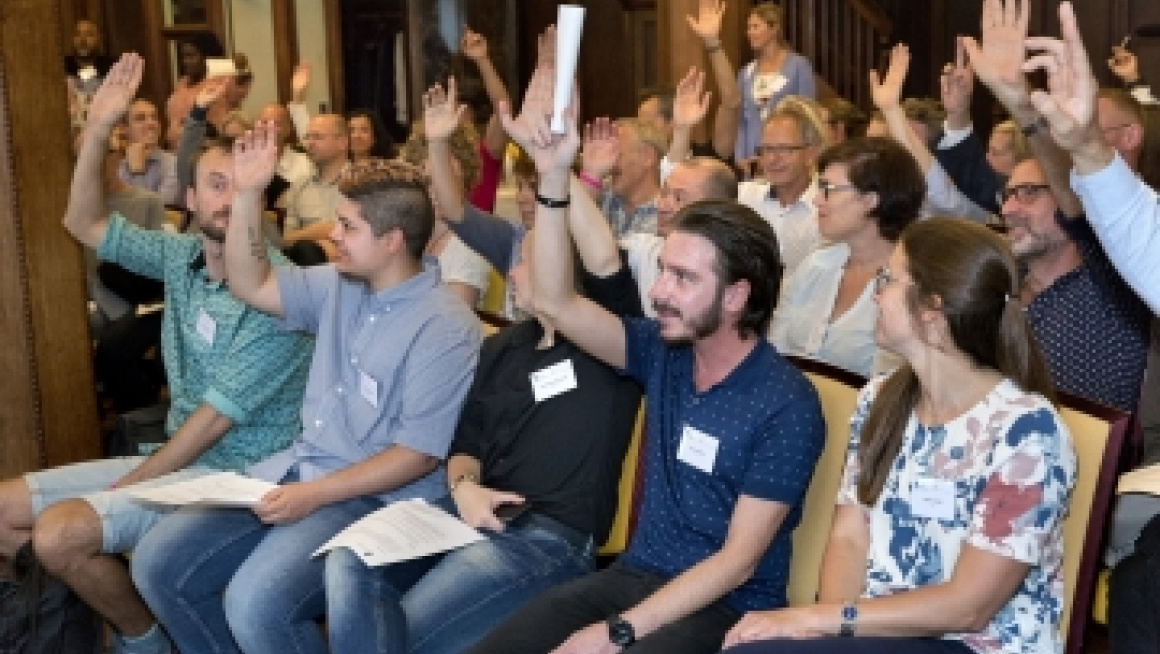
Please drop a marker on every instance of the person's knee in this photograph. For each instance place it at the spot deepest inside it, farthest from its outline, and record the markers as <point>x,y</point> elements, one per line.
<point>64,532</point>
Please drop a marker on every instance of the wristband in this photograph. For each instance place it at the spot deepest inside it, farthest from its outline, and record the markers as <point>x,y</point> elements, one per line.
<point>553,204</point>
<point>589,180</point>
<point>459,481</point>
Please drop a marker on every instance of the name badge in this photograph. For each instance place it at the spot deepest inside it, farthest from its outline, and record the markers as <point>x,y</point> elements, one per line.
<point>206,326</point>
<point>553,380</point>
<point>698,449</point>
<point>933,498</point>
<point>369,388</point>
<point>87,73</point>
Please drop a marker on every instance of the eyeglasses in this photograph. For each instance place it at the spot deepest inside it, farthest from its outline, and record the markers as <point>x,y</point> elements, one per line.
<point>826,188</point>
<point>1024,193</point>
<point>780,150</point>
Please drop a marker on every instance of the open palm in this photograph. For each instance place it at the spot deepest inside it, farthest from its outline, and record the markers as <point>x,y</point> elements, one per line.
<point>887,92</point>
<point>116,93</point>
<point>256,157</point>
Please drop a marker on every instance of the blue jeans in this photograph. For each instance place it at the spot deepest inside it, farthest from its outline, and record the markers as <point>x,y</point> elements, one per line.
<point>463,594</point>
<point>220,581</point>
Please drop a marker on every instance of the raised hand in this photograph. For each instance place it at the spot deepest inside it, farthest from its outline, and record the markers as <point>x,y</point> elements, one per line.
<point>887,92</point>
<point>998,60</point>
<point>546,48</point>
<point>1124,64</point>
<point>441,111</point>
<point>957,83</point>
<point>300,80</point>
<point>473,45</point>
<point>1069,105</point>
<point>256,157</point>
<point>112,100</point>
<point>211,90</point>
<point>532,126</point>
<point>707,23</point>
<point>601,148</point>
<point>690,102</point>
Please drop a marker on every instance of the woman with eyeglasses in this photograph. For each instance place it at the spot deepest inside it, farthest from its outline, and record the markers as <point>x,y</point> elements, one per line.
<point>869,190</point>
<point>946,538</point>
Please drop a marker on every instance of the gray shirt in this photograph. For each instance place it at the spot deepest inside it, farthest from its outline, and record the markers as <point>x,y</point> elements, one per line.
<point>159,176</point>
<point>389,368</point>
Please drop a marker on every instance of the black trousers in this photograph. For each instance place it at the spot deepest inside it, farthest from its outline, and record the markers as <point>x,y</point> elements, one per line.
<point>131,381</point>
<point>1134,596</point>
<point>550,618</point>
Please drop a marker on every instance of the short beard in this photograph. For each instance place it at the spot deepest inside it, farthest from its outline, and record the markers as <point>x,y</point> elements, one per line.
<point>702,325</point>
<point>211,232</point>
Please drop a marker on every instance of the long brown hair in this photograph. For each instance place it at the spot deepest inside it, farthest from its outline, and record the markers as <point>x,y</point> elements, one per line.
<point>972,273</point>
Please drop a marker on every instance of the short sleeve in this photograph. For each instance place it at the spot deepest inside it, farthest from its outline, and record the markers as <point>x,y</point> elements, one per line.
<point>459,263</point>
<point>303,292</point>
<point>1026,493</point>
<point>642,347</point>
<point>137,250</point>
<point>784,456</point>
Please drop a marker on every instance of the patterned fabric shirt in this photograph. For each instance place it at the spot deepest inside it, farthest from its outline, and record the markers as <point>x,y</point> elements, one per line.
<point>1005,470</point>
<point>642,219</point>
<point>759,432</point>
<point>217,350</point>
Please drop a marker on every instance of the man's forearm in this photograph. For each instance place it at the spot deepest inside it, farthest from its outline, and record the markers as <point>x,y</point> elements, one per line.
<point>247,266</point>
<point>86,199</point>
<point>444,182</point>
<point>204,427</point>
<point>386,471</point>
<point>552,283</point>
<point>460,465</point>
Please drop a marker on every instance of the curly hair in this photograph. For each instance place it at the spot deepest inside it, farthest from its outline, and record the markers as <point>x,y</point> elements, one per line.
<point>463,144</point>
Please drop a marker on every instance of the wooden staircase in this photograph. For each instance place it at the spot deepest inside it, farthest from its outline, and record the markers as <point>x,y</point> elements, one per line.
<point>843,39</point>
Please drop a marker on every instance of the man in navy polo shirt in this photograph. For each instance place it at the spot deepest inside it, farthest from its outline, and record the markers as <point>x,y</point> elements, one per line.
<point>734,430</point>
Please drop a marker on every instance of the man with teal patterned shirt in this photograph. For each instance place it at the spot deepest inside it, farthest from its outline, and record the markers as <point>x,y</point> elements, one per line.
<point>235,379</point>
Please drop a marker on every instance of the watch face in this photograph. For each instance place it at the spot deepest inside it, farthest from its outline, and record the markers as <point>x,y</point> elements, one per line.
<point>620,632</point>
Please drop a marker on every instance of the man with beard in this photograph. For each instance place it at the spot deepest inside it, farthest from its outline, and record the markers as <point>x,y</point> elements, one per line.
<point>85,68</point>
<point>235,381</point>
<point>395,353</point>
<point>1092,328</point>
<point>734,430</point>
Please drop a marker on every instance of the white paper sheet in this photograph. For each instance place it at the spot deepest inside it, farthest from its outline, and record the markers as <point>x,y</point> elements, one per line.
<point>1141,480</point>
<point>218,489</point>
<point>404,530</point>
<point>569,27</point>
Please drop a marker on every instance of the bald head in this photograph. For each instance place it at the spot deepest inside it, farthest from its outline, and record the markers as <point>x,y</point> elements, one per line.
<point>693,180</point>
<point>327,139</point>
<point>281,117</point>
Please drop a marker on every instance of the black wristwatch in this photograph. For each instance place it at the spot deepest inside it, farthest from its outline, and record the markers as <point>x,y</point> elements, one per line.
<point>620,631</point>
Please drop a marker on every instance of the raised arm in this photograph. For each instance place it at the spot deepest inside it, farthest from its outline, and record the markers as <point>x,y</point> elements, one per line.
<point>594,239</point>
<point>193,131</point>
<point>956,88</point>
<point>441,115</point>
<point>248,270</point>
<point>707,26</point>
<point>474,46</point>
<point>690,104</point>
<point>299,112</point>
<point>585,323</point>
<point>998,61</point>
<point>86,216</point>
<point>887,95</point>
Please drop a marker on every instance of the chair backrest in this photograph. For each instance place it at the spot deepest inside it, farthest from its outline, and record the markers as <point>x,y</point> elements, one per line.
<point>626,502</point>
<point>493,299</point>
<point>175,216</point>
<point>838,391</point>
<point>1097,433</point>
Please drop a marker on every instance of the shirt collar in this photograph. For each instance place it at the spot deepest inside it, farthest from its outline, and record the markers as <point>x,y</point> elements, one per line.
<point>417,286</point>
<point>805,199</point>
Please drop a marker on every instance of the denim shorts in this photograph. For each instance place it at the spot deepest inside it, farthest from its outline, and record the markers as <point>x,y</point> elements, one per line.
<point>124,519</point>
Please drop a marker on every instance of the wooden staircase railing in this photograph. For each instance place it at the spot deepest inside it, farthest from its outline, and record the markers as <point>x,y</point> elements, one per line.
<point>843,39</point>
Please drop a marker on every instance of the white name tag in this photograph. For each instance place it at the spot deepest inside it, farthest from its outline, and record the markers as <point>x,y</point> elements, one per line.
<point>698,449</point>
<point>933,498</point>
<point>369,388</point>
<point>206,326</point>
<point>553,380</point>
<point>87,73</point>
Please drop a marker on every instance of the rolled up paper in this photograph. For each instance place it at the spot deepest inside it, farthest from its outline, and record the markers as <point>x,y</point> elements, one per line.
<point>569,27</point>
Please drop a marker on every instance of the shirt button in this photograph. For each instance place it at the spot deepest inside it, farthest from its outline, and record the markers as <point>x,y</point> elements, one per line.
<point>372,318</point>
<point>354,359</point>
<point>317,423</point>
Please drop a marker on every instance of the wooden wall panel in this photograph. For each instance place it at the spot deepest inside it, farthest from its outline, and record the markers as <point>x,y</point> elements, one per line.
<point>47,402</point>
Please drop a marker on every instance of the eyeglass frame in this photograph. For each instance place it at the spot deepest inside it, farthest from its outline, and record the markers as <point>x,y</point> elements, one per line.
<point>779,150</point>
<point>1023,193</point>
<point>826,188</point>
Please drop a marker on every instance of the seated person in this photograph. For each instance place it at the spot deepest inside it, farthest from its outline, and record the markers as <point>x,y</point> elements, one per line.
<point>947,536</point>
<point>555,455</point>
<point>311,203</point>
<point>870,189</point>
<point>234,380</point>
<point>734,430</point>
<point>146,165</point>
<point>625,179</point>
<point>394,356</point>
<point>447,144</point>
